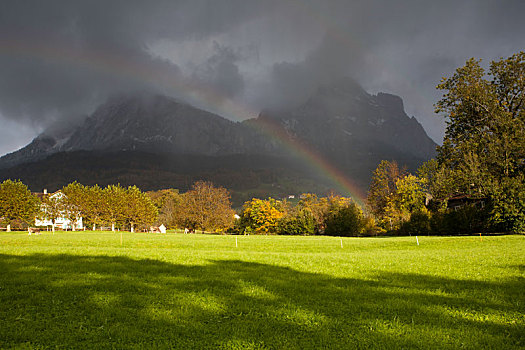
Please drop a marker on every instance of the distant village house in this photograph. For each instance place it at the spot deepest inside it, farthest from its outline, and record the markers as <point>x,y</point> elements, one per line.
<point>61,222</point>
<point>460,200</point>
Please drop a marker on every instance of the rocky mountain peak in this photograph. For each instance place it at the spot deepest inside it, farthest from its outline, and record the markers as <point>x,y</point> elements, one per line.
<point>390,101</point>
<point>343,116</point>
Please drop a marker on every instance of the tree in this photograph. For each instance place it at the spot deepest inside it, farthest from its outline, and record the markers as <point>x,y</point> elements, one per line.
<point>17,204</point>
<point>394,194</point>
<point>486,117</point>
<point>93,206</point>
<point>114,205</point>
<point>382,186</point>
<point>205,208</point>
<point>139,208</point>
<point>318,207</point>
<point>297,221</point>
<point>74,202</point>
<point>437,181</point>
<point>410,195</point>
<point>508,201</point>
<point>262,216</point>
<point>166,201</point>
<point>408,198</point>
<point>484,144</point>
<point>345,220</point>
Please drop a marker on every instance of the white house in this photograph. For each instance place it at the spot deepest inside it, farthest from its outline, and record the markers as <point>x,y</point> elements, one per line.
<point>61,222</point>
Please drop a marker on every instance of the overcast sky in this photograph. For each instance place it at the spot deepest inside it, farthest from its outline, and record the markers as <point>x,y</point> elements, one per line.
<point>60,59</point>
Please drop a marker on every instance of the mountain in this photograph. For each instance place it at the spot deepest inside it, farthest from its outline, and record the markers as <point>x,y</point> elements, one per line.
<point>155,141</point>
<point>144,122</point>
<point>343,117</point>
<point>352,130</point>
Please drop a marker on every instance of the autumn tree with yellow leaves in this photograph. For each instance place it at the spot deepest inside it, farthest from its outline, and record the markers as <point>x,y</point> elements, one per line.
<point>262,216</point>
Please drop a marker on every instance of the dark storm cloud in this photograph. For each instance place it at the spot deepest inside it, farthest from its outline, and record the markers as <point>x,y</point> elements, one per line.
<point>59,59</point>
<point>220,71</point>
<point>292,83</point>
<point>54,55</point>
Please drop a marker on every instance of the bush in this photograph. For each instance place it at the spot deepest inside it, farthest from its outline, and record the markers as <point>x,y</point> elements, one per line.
<point>508,210</point>
<point>419,224</point>
<point>300,222</point>
<point>345,221</point>
<point>261,216</point>
<point>370,228</point>
<point>466,220</point>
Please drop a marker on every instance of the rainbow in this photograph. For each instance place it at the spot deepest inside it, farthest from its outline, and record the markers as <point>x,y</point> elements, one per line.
<point>198,95</point>
<point>316,161</point>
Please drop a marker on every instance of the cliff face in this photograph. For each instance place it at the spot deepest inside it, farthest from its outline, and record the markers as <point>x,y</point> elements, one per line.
<point>156,124</point>
<point>344,121</point>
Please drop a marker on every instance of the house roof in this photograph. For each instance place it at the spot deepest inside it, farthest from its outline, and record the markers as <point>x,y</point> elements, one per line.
<point>42,194</point>
<point>465,197</point>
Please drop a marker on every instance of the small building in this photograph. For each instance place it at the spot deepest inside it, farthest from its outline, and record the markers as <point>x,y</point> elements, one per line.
<point>460,200</point>
<point>61,222</point>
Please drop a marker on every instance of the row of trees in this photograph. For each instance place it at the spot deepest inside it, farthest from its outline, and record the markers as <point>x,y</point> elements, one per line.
<point>208,208</point>
<point>114,205</point>
<point>332,215</point>
<point>204,207</point>
<point>403,203</point>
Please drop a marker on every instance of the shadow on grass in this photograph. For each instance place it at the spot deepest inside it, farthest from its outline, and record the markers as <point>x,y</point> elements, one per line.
<point>117,302</point>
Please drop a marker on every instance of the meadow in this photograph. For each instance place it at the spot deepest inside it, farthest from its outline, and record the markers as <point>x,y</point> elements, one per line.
<point>87,290</point>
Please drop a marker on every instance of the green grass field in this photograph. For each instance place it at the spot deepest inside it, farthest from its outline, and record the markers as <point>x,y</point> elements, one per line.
<point>85,290</point>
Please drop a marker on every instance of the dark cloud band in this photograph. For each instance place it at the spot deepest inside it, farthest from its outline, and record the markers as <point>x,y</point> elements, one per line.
<point>59,59</point>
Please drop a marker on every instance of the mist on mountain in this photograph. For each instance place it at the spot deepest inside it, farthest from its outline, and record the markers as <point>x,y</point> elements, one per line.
<point>350,129</point>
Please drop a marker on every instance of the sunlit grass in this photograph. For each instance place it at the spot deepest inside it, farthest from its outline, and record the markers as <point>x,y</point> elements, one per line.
<point>86,290</point>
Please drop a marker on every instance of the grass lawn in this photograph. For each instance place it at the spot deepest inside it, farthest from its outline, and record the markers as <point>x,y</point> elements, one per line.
<point>85,290</point>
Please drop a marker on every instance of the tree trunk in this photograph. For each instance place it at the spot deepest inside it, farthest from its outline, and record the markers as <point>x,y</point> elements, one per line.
<point>53,227</point>
<point>8,229</point>
<point>94,227</point>
<point>113,226</point>
<point>506,163</point>
<point>132,228</point>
